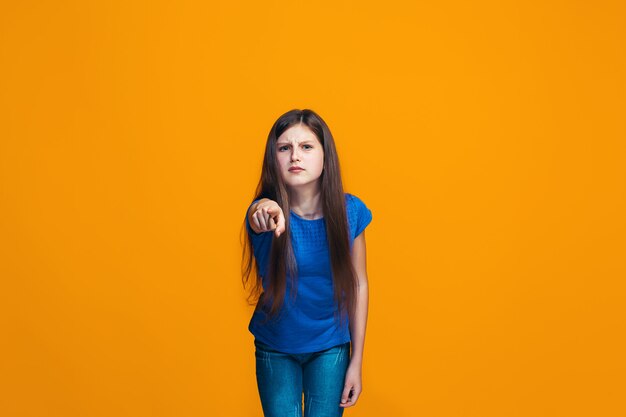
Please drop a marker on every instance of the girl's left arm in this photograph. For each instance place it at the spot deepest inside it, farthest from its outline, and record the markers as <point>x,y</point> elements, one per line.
<point>357,326</point>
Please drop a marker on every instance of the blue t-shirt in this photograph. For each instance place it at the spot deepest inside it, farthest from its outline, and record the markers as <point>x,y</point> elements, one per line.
<point>306,324</point>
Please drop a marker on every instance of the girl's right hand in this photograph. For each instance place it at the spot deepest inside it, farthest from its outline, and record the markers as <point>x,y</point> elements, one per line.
<point>267,216</point>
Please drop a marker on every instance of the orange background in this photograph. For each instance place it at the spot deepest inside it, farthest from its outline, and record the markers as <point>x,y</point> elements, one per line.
<point>487,138</point>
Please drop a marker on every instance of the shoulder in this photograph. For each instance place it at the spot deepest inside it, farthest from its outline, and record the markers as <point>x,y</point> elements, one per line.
<point>350,198</point>
<point>357,210</point>
<point>353,202</point>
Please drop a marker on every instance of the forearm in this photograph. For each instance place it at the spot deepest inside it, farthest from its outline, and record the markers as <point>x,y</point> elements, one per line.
<point>359,324</point>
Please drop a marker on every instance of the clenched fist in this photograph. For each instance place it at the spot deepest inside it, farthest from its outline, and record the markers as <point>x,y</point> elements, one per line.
<point>265,216</point>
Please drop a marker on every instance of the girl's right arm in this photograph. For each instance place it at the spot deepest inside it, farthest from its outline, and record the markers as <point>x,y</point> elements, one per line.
<point>266,215</point>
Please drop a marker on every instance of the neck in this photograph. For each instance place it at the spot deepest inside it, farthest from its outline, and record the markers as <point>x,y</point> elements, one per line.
<point>306,202</point>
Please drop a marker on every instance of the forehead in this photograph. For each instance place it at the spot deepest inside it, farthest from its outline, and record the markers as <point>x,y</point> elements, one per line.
<point>297,133</point>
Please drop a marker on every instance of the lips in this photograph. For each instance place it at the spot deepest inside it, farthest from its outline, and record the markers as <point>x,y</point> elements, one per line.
<point>296,169</point>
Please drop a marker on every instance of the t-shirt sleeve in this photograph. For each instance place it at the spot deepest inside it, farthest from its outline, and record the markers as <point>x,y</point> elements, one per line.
<point>363,215</point>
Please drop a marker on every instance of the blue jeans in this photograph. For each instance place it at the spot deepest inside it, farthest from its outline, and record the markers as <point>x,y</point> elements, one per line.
<point>283,377</point>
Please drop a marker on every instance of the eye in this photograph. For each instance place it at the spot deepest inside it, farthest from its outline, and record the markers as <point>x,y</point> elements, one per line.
<point>284,146</point>
<point>309,146</point>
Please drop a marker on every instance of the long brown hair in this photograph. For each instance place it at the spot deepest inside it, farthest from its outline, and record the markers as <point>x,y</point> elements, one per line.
<point>282,258</point>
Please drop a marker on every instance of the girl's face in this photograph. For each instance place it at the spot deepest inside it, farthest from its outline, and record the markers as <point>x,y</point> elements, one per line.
<point>299,147</point>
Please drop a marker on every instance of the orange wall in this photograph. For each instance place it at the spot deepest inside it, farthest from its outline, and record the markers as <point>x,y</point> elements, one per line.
<point>487,138</point>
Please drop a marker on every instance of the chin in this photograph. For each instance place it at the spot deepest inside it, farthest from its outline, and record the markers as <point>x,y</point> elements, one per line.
<point>298,184</point>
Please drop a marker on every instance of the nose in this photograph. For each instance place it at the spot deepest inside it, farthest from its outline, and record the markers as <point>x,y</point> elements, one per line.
<point>295,155</point>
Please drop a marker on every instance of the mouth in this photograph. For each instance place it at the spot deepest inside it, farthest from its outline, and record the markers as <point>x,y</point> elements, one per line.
<point>298,169</point>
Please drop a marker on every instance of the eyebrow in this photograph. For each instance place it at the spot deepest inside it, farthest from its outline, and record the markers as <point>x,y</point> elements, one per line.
<point>289,143</point>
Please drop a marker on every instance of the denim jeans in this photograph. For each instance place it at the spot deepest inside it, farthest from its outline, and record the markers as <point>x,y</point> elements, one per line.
<point>283,377</point>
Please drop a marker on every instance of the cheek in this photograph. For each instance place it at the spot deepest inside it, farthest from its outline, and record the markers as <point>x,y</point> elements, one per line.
<point>320,161</point>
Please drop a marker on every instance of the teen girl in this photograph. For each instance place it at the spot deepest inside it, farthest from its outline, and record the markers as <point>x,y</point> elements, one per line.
<point>310,273</point>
